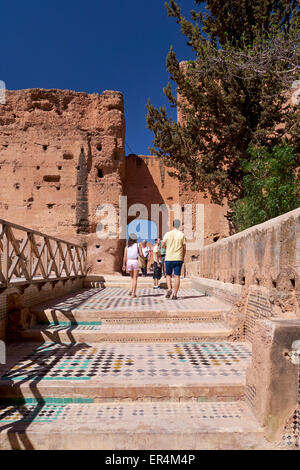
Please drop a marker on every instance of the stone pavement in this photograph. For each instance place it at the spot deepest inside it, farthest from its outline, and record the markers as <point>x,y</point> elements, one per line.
<point>74,383</point>
<point>148,299</point>
<point>129,426</point>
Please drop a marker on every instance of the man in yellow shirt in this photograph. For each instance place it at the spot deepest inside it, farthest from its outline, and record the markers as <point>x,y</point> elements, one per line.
<point>175,243</point>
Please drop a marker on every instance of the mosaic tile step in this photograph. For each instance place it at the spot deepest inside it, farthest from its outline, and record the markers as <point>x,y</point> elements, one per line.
<point>125,370</point>
<point>121,281</point>
<point>96,304</point>
<point>130,426</point>
<point>135,332</point>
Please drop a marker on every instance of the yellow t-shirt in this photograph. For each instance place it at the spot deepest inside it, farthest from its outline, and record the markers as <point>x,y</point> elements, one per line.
<point>174,240</point>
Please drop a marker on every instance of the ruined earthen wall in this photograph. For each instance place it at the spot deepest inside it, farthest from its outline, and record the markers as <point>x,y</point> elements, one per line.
<point>148,182</point>
<point>61,155</point>
<point>259,255</point>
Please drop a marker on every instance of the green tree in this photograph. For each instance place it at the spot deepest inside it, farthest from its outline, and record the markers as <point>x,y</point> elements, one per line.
<point>271,186</point>
<point>232,95</point>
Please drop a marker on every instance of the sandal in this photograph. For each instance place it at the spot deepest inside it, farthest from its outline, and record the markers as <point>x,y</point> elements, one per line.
<point>168,294</point>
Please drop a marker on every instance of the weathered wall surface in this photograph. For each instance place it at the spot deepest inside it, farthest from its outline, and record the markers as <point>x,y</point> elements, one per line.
<point>14,304</point>
<point>148,182</point>
<point>267,255</point>
<point>61,155</point>
<point>272,388</point>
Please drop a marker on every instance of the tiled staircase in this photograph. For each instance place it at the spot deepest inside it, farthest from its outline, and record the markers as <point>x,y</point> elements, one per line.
<point>101,370</point>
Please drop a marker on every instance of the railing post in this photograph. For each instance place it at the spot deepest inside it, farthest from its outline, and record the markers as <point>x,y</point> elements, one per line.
<point>5,254</point>
<point>29,251</point>
<point>45,258</point>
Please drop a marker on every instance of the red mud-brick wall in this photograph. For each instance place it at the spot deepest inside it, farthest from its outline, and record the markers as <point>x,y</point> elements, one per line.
<point>61,155</point>
<point>148,182</point>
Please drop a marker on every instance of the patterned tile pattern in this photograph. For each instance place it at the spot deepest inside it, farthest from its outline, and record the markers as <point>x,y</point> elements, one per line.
<point>119,362</point>
<point>291,433</point>
<point>114,298</point>
<point>118,414</point>
<point>148,327</point>
<point>64,326</point>
<point>30,413</point>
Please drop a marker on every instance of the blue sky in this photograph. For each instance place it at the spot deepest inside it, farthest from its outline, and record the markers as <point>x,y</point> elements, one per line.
<point>93,46</point>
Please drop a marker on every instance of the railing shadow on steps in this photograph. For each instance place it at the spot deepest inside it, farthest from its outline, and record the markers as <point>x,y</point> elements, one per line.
<point>18,428</point>
<point>68,305</point>
<point>30,257</point>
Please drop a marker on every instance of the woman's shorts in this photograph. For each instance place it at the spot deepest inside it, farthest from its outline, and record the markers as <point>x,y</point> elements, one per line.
<point>156,271</point>
<point>132,265</point>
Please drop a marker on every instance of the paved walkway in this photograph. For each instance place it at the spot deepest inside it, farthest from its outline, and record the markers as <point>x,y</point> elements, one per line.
<point>130,426</point>
<point>121,363</point>
<point>117,299</point>
<point>177,394</point>
<point>188,327</point>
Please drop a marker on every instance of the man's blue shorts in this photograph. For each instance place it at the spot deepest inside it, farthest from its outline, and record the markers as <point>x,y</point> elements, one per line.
<point>173,266</point>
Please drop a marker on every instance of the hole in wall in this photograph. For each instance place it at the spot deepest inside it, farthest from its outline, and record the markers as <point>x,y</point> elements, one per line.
<point>68,156</point>
<point>274,283</point>
<point>38,187</point>
<point>215,239</point>
<point>79,188</point>
<point>78,168</point>
<point>59,167</point>
<point>243,280</point>
<point>58,188</point>
<point>38,167</point>
<point>99,147</point>
<point>45,147</point>
<point>99,260</point>
<point>293,283</point>
<point>100,173</point>
<point>51,178</point>
<point>257,281</point>
<point>97,246</point>
<point>17,186</point>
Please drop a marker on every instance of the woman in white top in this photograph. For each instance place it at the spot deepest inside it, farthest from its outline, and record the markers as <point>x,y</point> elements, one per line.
<point>130,262</point>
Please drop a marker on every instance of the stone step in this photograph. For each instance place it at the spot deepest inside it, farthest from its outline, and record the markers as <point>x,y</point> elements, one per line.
<point>149,332</point>
<point>130,426</point>
<point>116,304</point>
<point>49,315</point>
<point>124,281</point>
<point>131,371</point>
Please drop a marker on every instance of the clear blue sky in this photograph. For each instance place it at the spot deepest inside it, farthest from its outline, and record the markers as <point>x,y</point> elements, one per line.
<point>93,46</point>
